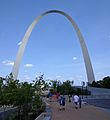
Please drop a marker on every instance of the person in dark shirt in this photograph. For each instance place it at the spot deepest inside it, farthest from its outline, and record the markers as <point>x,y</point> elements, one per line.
<point>62,102</point>
<point>79,101</point>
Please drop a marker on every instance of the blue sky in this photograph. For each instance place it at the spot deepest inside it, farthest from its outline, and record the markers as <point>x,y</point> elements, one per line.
<point>53,47</point>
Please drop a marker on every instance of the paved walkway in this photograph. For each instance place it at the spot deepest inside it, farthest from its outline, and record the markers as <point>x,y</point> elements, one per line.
<point>87,112</point>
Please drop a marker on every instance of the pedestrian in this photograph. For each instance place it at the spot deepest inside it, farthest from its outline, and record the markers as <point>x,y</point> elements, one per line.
<point>62,102</point>
<point>69,96</point>
<point>50,96</point>
<point>75,100</point>
<point>79,101</point>
<point>57,96</point>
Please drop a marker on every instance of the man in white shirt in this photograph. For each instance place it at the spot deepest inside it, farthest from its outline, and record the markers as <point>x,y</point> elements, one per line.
<point>76,100</point>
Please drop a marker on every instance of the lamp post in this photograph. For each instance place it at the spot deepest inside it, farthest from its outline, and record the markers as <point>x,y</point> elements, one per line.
<point>86,89</point>
<point>82,84</point>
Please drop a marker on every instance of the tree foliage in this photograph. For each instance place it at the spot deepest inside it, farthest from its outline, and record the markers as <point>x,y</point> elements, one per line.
<point>104,83</point>
<point>21,95</point>
<point>66,87</point>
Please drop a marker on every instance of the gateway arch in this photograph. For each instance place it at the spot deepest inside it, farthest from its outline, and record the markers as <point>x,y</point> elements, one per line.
<point>88,65</point>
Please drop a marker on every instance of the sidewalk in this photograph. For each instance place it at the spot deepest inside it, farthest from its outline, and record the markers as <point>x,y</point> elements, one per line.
<point>87,112</point>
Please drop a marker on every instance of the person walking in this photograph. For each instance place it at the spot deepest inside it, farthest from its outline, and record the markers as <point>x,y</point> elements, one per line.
<point>62,102</point>
<point>50,96</point>
<point>79,101</point>
<point>75,100</point>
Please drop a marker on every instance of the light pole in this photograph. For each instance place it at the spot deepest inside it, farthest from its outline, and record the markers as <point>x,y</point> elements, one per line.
<point>86,89</point>
<point>82,84</point>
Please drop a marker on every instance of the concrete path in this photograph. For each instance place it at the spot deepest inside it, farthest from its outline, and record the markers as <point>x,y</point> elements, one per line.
<point>87,112</point>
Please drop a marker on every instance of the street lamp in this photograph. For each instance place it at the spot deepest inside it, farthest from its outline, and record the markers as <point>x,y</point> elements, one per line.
<point>82,84</point>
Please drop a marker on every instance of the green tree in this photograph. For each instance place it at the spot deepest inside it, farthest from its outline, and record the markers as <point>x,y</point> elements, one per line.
<point>21,95</point>
<point>54,84</point>
<point>1,90</point>
<point>104,83</point>
<point>39,84</point>
<point>66,87</point>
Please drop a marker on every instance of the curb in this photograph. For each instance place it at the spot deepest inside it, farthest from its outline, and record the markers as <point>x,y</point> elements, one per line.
<point>47,115</point>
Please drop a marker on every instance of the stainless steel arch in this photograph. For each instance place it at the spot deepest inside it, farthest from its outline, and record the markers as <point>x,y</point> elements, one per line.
<point>89,69</point>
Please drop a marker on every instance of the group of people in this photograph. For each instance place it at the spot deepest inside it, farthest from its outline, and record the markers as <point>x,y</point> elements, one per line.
<point>76,99</point>
<point>53,96</point>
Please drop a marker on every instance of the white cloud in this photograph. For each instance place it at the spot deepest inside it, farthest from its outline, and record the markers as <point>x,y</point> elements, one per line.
<point>58,76</point>
<point>19,43</point>
<point>28,65</point>
<point>8,63</point>
<point>74,58</point>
